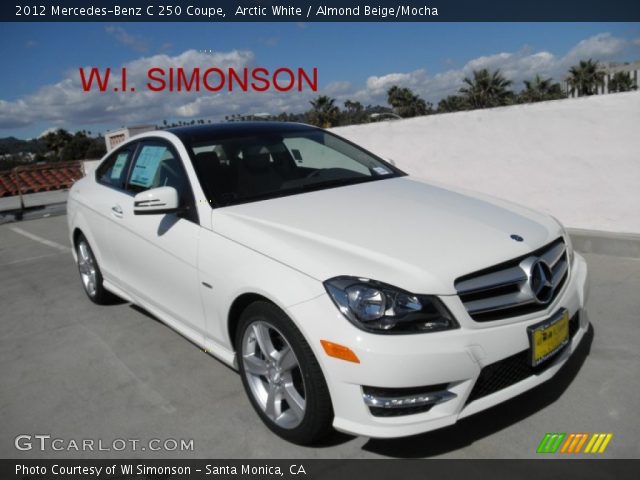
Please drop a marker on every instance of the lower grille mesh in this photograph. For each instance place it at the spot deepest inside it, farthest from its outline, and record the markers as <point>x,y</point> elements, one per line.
<point>513,369</point>
<point>398,412</point>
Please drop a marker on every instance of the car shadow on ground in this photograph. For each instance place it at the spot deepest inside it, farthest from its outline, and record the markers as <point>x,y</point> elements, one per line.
<point>488,422</point>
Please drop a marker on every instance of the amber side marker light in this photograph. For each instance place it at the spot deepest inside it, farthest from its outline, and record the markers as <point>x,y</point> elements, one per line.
<point>336,350</point>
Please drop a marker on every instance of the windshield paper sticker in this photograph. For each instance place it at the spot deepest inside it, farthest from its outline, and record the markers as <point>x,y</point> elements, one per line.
<point>147,165</point>
<point>381,171</point>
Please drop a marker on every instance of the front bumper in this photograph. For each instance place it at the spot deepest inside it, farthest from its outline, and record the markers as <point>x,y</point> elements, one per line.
<point>453,358</point>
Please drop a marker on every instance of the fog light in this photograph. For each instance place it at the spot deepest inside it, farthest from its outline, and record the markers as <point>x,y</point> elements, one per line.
<point>393,402</point>
<point>409,401</point>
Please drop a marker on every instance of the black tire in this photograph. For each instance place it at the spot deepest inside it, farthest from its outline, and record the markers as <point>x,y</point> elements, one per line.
<point>318,411</point>
<point>98,295</point>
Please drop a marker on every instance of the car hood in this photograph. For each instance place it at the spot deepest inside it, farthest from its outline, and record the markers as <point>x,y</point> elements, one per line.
<point>415,235</point>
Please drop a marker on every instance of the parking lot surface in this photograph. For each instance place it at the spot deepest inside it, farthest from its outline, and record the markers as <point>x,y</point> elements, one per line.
<point>77,371</point>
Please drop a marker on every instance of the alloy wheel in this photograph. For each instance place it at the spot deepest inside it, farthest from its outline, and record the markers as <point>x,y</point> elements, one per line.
<point>87,267</point>
<point>273,374</point>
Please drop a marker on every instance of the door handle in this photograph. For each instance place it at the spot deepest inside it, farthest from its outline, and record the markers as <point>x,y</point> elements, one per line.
<point>117,211</point>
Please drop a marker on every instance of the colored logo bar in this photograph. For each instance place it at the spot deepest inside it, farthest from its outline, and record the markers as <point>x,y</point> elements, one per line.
<point>574,443</point>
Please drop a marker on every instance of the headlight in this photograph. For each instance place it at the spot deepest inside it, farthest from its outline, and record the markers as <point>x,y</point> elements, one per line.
<point>381,308</point>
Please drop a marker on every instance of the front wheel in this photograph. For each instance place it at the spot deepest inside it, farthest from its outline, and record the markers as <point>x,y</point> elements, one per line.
<point>281,375</point>
<point>90,274</point>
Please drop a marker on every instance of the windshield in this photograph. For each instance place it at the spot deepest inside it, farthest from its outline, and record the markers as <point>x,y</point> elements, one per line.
<point>250,168</point>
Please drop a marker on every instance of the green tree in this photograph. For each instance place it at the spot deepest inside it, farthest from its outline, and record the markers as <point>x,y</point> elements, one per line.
<point>540,89</point>
<point>452,103</point>
<point>406,103</point>
<point>622,82</point>
<point>353,107</point>
<point>585,78</point>
<point>97,149</point>
<point>324,113</point>
<point>77,147</point>
<point>57,141</point>
<point>354,112</point>
<point>487,89</point>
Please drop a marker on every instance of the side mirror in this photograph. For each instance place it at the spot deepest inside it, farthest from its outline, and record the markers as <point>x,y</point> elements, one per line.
<point>156,201</point>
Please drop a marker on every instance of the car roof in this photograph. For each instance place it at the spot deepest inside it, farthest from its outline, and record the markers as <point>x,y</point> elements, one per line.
<point>198,133</point>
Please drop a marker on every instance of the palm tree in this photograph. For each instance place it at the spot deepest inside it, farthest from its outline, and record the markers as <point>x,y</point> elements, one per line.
<point>622,82</point>
<point>585,78</point>
<point>487,89</point>
<point>540,89</point>
<point>452,103</point>
<point>353,106</point>
<point>353,112</point>
<point>406,103</point>
<point>324,113</point>
<point>352,109</point>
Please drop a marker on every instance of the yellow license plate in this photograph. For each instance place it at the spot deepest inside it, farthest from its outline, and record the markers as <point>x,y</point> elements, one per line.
<point>548,337</point>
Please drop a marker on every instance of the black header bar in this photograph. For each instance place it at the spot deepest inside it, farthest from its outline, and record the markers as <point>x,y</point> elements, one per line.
<point>319,11</point>
<point>299,469</point>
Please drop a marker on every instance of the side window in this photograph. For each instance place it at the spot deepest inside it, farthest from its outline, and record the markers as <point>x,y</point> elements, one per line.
<point>113,171</point>
<point>156,164</point>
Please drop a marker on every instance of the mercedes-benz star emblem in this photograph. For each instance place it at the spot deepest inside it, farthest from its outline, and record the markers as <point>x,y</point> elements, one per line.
<point>540,281</point>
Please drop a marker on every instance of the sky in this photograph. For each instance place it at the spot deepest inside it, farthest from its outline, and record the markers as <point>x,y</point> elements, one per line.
<point>40,88</point>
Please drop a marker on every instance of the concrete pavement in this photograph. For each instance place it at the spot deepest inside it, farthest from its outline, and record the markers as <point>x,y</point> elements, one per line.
<point>75,370</point>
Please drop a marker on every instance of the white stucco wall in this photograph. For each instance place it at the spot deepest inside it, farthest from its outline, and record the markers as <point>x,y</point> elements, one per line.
<point>578,159</point>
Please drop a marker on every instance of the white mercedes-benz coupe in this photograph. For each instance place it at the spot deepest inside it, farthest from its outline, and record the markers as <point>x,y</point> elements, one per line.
<point>346,293</point>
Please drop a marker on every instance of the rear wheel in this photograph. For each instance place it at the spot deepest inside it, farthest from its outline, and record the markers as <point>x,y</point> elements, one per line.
<point>90,274</point>
<point>281,375</point>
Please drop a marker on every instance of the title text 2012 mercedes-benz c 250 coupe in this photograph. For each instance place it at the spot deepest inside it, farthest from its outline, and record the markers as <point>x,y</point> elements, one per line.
<point>346,293</point>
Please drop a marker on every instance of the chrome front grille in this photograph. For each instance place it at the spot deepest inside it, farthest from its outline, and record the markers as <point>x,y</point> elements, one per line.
<point>523,285</point>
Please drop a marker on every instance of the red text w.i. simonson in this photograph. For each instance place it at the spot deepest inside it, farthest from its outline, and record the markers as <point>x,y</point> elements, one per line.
<point>211,79</point>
